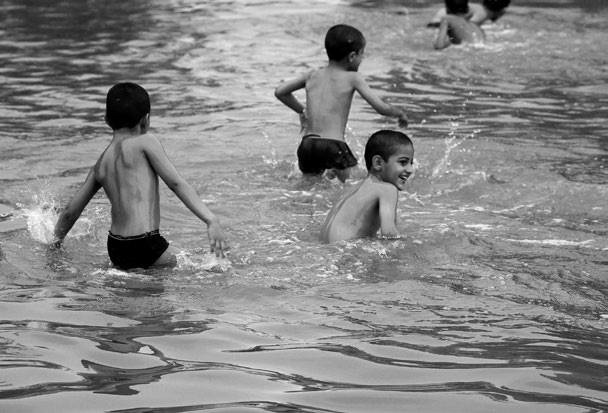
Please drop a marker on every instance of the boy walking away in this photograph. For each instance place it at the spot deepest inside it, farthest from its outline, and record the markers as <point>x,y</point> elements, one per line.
<point>128,171</point>
<point>329,94</point>
<point>478,13</point>
<point>454,27</point>
<point>372,204</point>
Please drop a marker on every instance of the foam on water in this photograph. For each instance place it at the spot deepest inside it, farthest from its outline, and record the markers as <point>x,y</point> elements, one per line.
<point>41,216</point>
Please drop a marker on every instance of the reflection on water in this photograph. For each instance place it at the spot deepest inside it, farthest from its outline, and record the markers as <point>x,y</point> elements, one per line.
<point>494,299</point>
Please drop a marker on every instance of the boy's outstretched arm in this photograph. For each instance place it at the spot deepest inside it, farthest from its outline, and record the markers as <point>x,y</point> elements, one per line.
<point>74,208</point>
<point>378,104</point>
<point>161,164</point>
<point>388,212</point>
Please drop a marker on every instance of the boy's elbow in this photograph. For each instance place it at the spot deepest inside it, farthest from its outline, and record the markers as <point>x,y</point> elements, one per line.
<point>174,185</point>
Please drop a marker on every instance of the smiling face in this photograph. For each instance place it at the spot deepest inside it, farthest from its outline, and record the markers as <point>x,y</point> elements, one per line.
<point>398,167</point>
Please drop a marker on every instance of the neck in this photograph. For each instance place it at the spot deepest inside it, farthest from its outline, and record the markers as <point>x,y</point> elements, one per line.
<point>128,132</point>
<point>341,65</point>
<point>374,176</point>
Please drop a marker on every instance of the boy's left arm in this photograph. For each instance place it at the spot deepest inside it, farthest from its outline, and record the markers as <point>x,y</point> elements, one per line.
<point>377,103</point>
<point>74,208</point>
<point>388,212</point>
<point>160,163</point>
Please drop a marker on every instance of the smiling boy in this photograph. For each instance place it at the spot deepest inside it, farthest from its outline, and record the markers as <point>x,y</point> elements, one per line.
<point>372,205</point>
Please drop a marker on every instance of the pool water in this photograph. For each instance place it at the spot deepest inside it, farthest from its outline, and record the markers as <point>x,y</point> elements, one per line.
<point>495,299</point>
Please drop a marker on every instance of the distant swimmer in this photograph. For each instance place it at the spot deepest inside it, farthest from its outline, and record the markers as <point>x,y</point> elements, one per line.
<point>454,28</point>
<point>329,94</point>
<point>488,10</point>
<point>128,171</point>
<point>372,204</point>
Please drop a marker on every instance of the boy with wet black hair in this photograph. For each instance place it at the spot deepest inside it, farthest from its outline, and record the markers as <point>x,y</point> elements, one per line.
<point>372,205</point>
<point>478,13</point>
<point>128,171</point>
<point>454,28</point>
<point>329,94</point>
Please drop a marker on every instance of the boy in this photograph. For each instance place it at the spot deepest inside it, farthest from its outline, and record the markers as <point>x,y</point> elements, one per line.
<point>454,28</point>
<point>128,171</point>
<point>372,204</point>
<point>478,13</point>
<point>329,94</point>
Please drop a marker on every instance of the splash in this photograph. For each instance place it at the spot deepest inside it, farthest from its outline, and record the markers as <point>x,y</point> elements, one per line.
<point>273,159</point>
<point>451,142</point>
<point>202,262</point>
<point>42,214</point>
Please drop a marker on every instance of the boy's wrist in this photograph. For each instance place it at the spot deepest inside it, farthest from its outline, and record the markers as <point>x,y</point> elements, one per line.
<point>212,220</point>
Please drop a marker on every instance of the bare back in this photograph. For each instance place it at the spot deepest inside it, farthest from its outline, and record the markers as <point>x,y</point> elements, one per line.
<point>329,94</point>
<point>131,184</point>
<point>359,214</point>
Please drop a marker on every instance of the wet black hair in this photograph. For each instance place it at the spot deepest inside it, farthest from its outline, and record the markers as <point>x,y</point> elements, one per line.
<point>126,104</point>
<point>342,39</point>
<point>457,6</point>
<point>384,143</point>
<point>496,5</point>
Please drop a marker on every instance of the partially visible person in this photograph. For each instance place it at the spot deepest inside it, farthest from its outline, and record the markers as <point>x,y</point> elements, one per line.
<point>128,171</point>
<point>488,10</point>
<point>329,94</point>
<point>372,205</point>
<point>454,28</point>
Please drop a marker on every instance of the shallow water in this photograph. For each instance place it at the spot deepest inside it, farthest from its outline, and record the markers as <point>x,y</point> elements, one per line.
<point>494,300</point>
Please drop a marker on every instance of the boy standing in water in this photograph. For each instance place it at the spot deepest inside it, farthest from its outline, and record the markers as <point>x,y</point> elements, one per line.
<point>478,13</point>
<point>128,171</point>
<point>329,94</point>
<point>454,28</point>
<point>372,204</point>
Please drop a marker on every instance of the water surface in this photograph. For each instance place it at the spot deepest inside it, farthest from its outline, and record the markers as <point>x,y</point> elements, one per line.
<point>494,300</point>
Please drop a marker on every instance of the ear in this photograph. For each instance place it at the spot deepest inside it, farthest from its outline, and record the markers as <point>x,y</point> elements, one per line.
<point>144,123</point>
<point>351,56</point>
<point>377,163</point>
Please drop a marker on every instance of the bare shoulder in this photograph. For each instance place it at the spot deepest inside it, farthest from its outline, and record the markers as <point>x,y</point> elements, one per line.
<point>355,77</point>
<point>386,191</point>
<point>375,191</point>
<point>148,142</point>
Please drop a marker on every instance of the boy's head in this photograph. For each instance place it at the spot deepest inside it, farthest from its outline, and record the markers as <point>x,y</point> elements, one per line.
<point>457,6</point>
<point>127,105</point>
<point>341,40</point>
<point>389,155</point>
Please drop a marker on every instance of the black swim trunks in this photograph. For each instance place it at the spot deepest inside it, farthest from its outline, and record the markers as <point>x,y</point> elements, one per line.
<point>316,154</point>
<point>138,251</point>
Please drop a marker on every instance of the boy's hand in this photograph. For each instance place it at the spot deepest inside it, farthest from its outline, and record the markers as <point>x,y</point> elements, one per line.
<point>55,243</point>
<point>402,121</point>
<point>217,239</point>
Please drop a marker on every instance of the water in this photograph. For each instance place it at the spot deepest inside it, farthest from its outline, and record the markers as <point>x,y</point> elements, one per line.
<point>495,299</point>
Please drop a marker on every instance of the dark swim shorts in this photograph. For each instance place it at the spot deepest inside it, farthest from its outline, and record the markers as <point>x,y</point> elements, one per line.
<point>138,251</point>
<point>316,154</point>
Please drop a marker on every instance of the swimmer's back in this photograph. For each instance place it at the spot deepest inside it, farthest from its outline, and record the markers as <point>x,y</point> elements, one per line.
<point>329,94</point>
<point>356,215</point>
<point>131,184</point>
